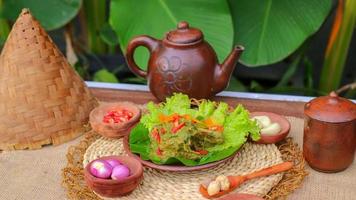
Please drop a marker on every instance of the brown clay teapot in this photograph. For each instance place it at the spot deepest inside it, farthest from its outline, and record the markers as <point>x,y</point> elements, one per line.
<point>183,62</point>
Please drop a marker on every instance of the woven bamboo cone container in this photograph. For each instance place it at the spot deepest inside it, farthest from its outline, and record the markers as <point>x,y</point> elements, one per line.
<point>42,99</point>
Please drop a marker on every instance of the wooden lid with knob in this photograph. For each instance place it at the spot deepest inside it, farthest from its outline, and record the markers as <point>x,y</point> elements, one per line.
<point>331,108</point>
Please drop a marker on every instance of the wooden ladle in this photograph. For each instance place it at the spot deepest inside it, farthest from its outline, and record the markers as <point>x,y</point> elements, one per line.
<point>236,181</point>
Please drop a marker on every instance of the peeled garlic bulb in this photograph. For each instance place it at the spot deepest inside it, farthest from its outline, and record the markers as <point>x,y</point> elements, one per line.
<point>224,182</point>
<point>272,129</point>
<point>263,121</point>
<point>213,188</point>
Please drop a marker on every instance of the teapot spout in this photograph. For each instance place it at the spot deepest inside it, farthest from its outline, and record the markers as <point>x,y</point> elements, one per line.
<point>223,72</point>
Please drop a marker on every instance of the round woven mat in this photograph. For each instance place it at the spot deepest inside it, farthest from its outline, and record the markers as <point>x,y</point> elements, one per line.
<point>169,185</point>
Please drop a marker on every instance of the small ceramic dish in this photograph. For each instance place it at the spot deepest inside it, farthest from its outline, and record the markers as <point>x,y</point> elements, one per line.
<point>281,120</point>
<point>116,188</point>
<point>113,130</point>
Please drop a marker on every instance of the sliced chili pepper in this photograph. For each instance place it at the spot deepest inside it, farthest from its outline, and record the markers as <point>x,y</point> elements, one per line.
<point>201,152</point>
<point>159,152</point>
<point>117,116</point>
<point>175,128</point>
<point>155,135</point>
<point>175,123</point>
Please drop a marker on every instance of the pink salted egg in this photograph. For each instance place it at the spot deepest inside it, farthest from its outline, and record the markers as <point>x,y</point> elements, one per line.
<point>113,162</point>
<point>100,169</point>
<point>120,172</point>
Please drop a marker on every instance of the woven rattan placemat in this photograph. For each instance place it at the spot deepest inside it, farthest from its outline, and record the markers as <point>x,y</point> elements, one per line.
<point>168,185</point>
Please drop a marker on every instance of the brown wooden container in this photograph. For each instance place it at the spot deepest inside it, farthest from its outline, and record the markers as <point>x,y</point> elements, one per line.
<point>329,133</point>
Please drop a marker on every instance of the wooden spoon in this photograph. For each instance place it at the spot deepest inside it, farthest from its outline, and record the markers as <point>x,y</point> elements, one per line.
<point>236,181</point>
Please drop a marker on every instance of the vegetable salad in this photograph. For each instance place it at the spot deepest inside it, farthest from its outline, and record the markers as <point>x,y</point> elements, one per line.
<point>175,132</point>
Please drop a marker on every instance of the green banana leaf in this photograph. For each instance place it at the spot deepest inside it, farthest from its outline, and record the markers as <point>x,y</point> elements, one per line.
<point>51,13</point>
<point>271,30</point>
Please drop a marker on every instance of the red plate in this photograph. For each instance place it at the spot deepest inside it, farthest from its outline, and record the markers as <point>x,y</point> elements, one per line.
<point>173,168</point>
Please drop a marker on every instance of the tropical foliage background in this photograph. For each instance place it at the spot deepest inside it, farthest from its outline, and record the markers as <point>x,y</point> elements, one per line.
<point>278,35</point>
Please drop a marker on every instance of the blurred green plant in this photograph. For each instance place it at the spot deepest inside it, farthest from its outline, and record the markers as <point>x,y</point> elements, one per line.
<point>94,12</point>
<point>104,75</point>
<point>4,26</point>
<point>338,45</point>
<point>108,35</point>
<point>52,14</point>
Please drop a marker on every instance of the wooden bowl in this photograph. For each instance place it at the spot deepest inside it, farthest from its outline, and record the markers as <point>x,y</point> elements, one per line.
<point>113,130</point>
<point>281,120</point>
<point>116,188</point>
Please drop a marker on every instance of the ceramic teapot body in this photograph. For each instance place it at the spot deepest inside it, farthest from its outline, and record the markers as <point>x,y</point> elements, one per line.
<point>182,62</point>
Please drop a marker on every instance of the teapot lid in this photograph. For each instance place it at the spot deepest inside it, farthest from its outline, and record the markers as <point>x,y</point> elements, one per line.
<point>184,34</point>
<point>331,108</point>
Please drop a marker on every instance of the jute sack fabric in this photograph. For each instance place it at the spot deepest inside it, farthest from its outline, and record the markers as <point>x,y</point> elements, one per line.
<point>37,174</point>
<point>42,99</point>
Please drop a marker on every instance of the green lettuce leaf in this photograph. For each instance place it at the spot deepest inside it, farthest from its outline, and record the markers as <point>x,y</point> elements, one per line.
<point>219,114</point>
<point>205,109</point>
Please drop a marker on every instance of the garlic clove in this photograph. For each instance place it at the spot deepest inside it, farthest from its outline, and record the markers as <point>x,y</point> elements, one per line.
<point>272,129</point>
<point>224,182</point>
<point>263,121</point>
<point>213,188</point>
<point>206,182</point>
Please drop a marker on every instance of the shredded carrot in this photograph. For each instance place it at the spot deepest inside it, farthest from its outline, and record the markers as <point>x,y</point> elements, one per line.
<point>209,122</point>
<point>217,128</point>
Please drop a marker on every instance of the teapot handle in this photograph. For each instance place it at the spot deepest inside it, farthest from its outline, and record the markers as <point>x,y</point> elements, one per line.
<point>143,40</point>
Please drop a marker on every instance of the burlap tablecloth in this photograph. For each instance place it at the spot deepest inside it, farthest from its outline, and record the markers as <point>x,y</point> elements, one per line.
<point>37,174</point>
